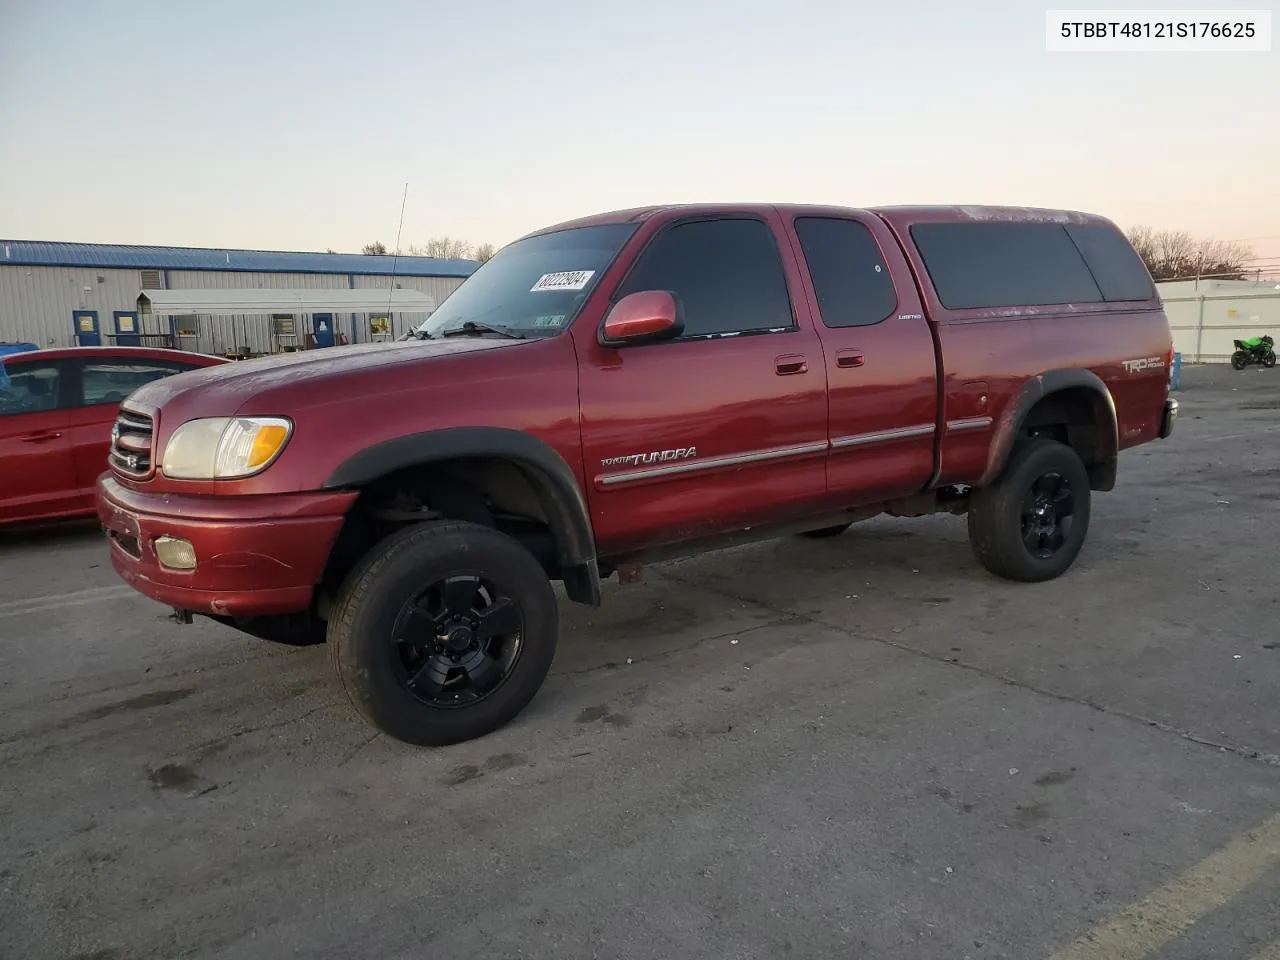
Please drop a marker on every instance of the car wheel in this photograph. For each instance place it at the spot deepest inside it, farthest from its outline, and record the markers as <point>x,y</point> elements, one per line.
<point>444,632</point>
<point>1030,525</point>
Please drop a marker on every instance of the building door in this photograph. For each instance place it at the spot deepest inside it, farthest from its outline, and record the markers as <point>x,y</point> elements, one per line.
<point>322,328</point>
<point>126,324</point>
<point>86,327</point>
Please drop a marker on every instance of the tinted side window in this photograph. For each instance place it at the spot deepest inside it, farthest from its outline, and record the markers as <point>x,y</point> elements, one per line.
<point>1003,264</point>
<point>727,275</point>
<point>849,274</point>
<point>108,382</point>
<point>29,388</point>
<point>1116,266</point>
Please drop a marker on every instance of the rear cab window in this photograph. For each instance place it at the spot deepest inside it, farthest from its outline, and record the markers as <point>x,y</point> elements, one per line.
<point>848,270</point>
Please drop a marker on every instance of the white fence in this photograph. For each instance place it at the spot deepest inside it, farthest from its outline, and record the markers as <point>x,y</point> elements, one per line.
<point>1206,321</point>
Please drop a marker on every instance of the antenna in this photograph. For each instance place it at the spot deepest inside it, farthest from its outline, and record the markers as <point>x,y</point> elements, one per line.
<point>396,259</point>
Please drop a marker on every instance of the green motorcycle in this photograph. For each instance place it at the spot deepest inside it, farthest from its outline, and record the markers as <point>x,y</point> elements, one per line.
<point>1260,350</point>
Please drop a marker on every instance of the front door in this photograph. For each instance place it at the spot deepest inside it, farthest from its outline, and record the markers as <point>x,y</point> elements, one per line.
<point>722,429</point>
<point>37,478</point>
<point>126,323</point>
<point>86,327</point>
<point>322,328</point>
<point>879,355</point>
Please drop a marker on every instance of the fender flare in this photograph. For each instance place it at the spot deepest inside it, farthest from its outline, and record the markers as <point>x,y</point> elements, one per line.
<point>1103,473</point>
<point>557,488</point>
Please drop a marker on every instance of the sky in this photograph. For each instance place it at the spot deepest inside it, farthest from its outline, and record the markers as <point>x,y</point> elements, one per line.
<point>295,124</point>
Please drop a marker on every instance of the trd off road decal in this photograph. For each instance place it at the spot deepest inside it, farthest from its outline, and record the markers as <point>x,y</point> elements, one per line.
<point>1145,363</point>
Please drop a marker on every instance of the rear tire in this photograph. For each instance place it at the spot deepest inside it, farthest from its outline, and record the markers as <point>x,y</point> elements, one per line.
<point>1030,525</point>
<point>444,632</point>
<point>1239,360</point>
<point>827,532</point>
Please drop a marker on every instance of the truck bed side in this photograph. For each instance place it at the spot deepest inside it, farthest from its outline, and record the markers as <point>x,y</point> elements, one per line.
<point>1103,356</point>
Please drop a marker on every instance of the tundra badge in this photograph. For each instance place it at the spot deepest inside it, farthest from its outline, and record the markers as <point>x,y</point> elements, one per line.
<point>654,456</point>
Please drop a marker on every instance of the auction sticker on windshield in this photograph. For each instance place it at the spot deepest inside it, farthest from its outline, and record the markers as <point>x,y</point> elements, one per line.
<point>566,280</point>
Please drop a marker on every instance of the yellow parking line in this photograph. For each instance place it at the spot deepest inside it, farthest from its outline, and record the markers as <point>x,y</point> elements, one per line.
<point>1145,926</point>
<point>1270,952</point>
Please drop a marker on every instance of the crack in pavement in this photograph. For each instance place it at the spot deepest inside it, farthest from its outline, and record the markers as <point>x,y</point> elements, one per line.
<point>1245,753</point>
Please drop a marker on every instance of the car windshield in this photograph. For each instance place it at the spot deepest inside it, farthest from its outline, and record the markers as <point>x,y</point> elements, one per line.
<point>534,287</point>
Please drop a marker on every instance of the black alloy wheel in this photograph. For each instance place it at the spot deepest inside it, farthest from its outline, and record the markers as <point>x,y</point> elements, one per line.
<point>457,641</point>
<point>1030,525</point>
<point>443,632</point>
<point>1047,515</point>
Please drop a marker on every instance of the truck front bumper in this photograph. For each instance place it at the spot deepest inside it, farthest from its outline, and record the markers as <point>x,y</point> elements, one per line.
<point>1169,418</point>
<point>236,556</point>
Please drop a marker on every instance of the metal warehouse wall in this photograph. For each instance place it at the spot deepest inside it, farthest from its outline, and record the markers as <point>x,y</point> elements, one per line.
<point>437,287</point>
<point>36,303</point>
<point>1205,324</point>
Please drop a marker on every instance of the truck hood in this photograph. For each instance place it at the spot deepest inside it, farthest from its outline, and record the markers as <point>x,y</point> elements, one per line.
<point>221,390</point>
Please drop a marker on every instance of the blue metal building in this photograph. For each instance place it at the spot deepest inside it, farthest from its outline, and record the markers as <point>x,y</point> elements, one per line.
<point>61,294</point>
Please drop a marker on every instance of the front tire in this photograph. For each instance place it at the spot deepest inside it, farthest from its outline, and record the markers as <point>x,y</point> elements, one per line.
<point>1268,360</point>
<point>1030,525</point>
<point>444,632</point>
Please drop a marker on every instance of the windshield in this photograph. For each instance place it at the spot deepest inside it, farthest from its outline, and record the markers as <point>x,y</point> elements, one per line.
<point>535,286</point>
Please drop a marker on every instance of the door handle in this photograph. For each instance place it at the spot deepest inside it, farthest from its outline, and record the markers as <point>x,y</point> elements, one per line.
<point>789,364</point>
<point>849,358</point>
<point>40,437</point>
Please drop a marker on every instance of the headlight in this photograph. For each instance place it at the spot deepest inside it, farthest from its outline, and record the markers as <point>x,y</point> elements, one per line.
<point>223,448</point>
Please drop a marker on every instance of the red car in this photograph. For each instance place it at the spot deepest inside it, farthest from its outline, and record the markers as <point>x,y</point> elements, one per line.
<point>57,408</point>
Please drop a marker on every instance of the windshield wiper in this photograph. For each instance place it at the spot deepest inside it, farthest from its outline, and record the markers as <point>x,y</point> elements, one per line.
<point>416,335</point>
<point>472,327</point>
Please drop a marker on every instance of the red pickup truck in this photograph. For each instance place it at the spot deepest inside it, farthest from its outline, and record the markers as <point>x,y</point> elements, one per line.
<point>634,386</point>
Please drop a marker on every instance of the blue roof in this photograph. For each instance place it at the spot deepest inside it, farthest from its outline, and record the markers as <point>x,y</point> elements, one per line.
<point>47,253</point>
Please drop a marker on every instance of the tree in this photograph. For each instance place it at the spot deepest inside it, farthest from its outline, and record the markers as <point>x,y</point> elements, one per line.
<point>483,252</point>
<point>375,249</point>
<point>443,248</point>
<point>1176,255</point>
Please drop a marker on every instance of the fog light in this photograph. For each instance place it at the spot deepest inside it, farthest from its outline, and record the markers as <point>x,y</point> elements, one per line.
<point>175,553</point>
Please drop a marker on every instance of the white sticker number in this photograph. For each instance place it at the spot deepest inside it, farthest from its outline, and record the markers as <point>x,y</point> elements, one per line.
<point>568,280</point>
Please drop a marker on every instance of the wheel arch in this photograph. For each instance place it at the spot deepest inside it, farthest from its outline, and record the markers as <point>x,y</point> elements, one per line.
<point>557,490</point>
<point>1078,402</point>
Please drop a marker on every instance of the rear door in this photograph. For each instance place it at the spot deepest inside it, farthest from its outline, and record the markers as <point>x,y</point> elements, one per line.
<point>723,428</point>
<point>882,371</point>
<point>98,388</point>
<point>36,475</point>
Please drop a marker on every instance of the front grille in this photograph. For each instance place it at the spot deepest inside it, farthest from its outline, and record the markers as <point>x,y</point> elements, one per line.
<point>131,440</point>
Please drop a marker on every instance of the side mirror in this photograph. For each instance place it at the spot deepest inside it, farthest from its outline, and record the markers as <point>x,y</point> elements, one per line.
<point>644,317</point>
